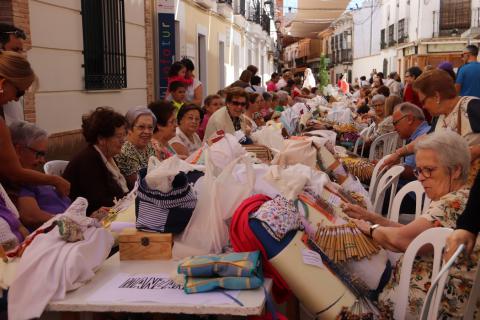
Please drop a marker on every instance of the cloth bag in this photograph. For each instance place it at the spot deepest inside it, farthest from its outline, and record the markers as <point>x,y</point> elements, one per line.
<point>234,271</point>
<point>218,197</point>
<point>270,136</point>
<point>164,211</point>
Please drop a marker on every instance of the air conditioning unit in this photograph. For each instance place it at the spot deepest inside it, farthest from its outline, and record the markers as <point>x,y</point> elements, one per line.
<point>208,4</point>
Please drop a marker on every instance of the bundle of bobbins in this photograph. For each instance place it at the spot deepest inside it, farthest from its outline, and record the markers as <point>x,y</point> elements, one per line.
<point>344,243</point>
<point>359,167</point>
<point>262,152</point>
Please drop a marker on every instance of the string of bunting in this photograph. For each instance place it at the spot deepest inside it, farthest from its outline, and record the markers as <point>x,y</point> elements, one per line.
<point>344,243</point>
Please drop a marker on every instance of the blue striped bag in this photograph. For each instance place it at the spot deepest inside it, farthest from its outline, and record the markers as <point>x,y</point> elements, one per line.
<point>164,212</point>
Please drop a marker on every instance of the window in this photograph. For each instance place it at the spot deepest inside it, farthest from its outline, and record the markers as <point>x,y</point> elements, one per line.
<point>391,35</point>
<point>454,14</point>
<point>104,44</point>
<point>401,31</point>
<point>383,42</point>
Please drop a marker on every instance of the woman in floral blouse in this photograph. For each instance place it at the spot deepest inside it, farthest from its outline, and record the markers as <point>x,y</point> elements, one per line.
<point>138,148</point>
<point>443,161</point>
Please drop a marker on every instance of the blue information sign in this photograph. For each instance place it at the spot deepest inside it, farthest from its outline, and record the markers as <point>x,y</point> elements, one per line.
<point>166,48</point>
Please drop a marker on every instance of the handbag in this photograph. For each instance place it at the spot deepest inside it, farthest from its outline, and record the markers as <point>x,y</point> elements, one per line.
<point>167,212</point>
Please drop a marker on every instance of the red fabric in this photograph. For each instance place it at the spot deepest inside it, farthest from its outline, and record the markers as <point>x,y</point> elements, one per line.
<point>267,316</point>
<point>271,86</point>
<point>409,95</point>
<point>344,86</point>
<point>243,240</point>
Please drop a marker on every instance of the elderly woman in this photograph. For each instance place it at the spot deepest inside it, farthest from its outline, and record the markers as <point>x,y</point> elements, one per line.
<point>36,203</point>
<point>93,173</point>
<point>382,117</point>
<point>165,129</point>
<point>16,76</point>
<point>437,94</point>
<point>255,104</point>
<point>187,140</point>
<point>138,148</point>
<point>443,161</point>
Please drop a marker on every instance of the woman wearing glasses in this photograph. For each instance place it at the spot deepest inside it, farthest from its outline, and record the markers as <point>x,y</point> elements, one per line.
<point>443,162</point>
<point>93,172</point>
<point>186,140</point>
<point>36,203</point>
<point>138,148</point>
<point>230,119</point>
<point>438,96</point>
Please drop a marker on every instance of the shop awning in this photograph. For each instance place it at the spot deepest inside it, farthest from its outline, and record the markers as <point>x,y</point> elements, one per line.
<point>313,16</point>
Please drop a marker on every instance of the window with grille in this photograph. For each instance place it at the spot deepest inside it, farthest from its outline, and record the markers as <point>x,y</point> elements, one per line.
<point>401,31</point>
<point>455,14</point>
<point>104,44</point>
<point>391,35</point>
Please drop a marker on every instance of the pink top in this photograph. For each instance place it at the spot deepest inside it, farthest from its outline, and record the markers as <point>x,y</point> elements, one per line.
<point>271,86</point>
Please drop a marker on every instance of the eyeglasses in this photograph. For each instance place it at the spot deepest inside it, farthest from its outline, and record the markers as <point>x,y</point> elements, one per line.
<point>426,172</point>
<point>193,119</point>
<point>378,105</point>
<point>238,103</point>
<point>17,34</point>
<point>38,153</point>
<point>144,128</point>
<point>397,121</point>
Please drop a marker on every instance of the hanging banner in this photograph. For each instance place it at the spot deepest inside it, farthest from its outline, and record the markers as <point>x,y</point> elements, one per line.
<point>166,42</point>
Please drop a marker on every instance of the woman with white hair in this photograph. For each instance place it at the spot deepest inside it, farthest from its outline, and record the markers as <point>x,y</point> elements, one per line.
<point>442,165</point>
<point>138,148</point>
<point>382,117</point>
<point>36,203</point>
<point>309,81</point>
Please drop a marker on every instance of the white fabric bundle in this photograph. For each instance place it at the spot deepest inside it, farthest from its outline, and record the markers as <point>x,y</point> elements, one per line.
<point>225,150</point>
<point>270,136</point>
<point>50,267</point>
<point>160,174</point>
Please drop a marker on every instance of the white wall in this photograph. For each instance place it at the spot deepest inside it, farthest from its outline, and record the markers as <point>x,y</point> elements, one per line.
<point>363,66</point>
<point>56,56</point>
<point>363,44</point>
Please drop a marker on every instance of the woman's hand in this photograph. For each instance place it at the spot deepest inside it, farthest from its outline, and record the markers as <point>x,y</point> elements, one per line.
<point>457,238</point>
<point>363,226</point>
<point>62,185</point>
<point>355,211</point>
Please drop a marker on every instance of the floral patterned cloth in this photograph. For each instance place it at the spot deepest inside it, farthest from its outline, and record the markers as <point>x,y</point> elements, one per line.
<point>443,212</point>
<point>131,160</point>
<point>278,217</point>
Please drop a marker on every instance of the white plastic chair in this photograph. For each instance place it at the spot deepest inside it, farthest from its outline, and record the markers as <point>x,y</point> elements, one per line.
<point>474,295</point>
<point>376,175</point>
<point>387,141</point>
<point>421,204</point>
<point>55,167</point>
<point>388,180</point>
<point>437,238</point>
<point>431,305</point>
<point>364,134</point>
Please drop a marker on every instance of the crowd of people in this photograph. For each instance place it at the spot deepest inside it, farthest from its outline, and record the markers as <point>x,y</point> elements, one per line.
<point>434,111</point>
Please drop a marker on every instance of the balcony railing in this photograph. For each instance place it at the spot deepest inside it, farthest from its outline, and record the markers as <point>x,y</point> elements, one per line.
<point>402,38</point>
<point>453,20</point>
<point>230,2</point>
<point>383,45</point>
<point>391,42</point>
<point>265,22</point>
<point>239,7</point>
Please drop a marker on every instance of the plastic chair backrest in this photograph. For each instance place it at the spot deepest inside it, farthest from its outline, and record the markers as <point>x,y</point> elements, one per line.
<point>388,180</point>
<point>474,295</point>
<point>55,167</point>
<point>387,141</point>
<point>420,204</point>
<point>364,134</point>
<point>431,304</point>
<point>376,175</point>
<point>437,238</point>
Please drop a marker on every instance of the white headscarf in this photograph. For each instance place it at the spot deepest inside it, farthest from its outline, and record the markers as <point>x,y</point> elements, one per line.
<point>309,81</point>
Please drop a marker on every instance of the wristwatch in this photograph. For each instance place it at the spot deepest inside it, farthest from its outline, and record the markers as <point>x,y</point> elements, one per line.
<point>373,227</point>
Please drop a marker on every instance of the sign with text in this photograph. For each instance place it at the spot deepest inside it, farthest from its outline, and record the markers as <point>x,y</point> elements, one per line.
<point>155,288</point>
<point>166,49</point>
<point>165,6</point>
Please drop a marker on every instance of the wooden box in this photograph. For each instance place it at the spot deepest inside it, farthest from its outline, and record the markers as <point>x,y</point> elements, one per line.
<point>141,245</point>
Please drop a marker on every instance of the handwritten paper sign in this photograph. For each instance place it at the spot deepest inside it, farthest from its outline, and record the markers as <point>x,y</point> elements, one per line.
<point>158,288</point>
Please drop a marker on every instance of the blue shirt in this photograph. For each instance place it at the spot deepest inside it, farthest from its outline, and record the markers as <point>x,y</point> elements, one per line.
<point>469,78</point>
<point>422,129</point>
